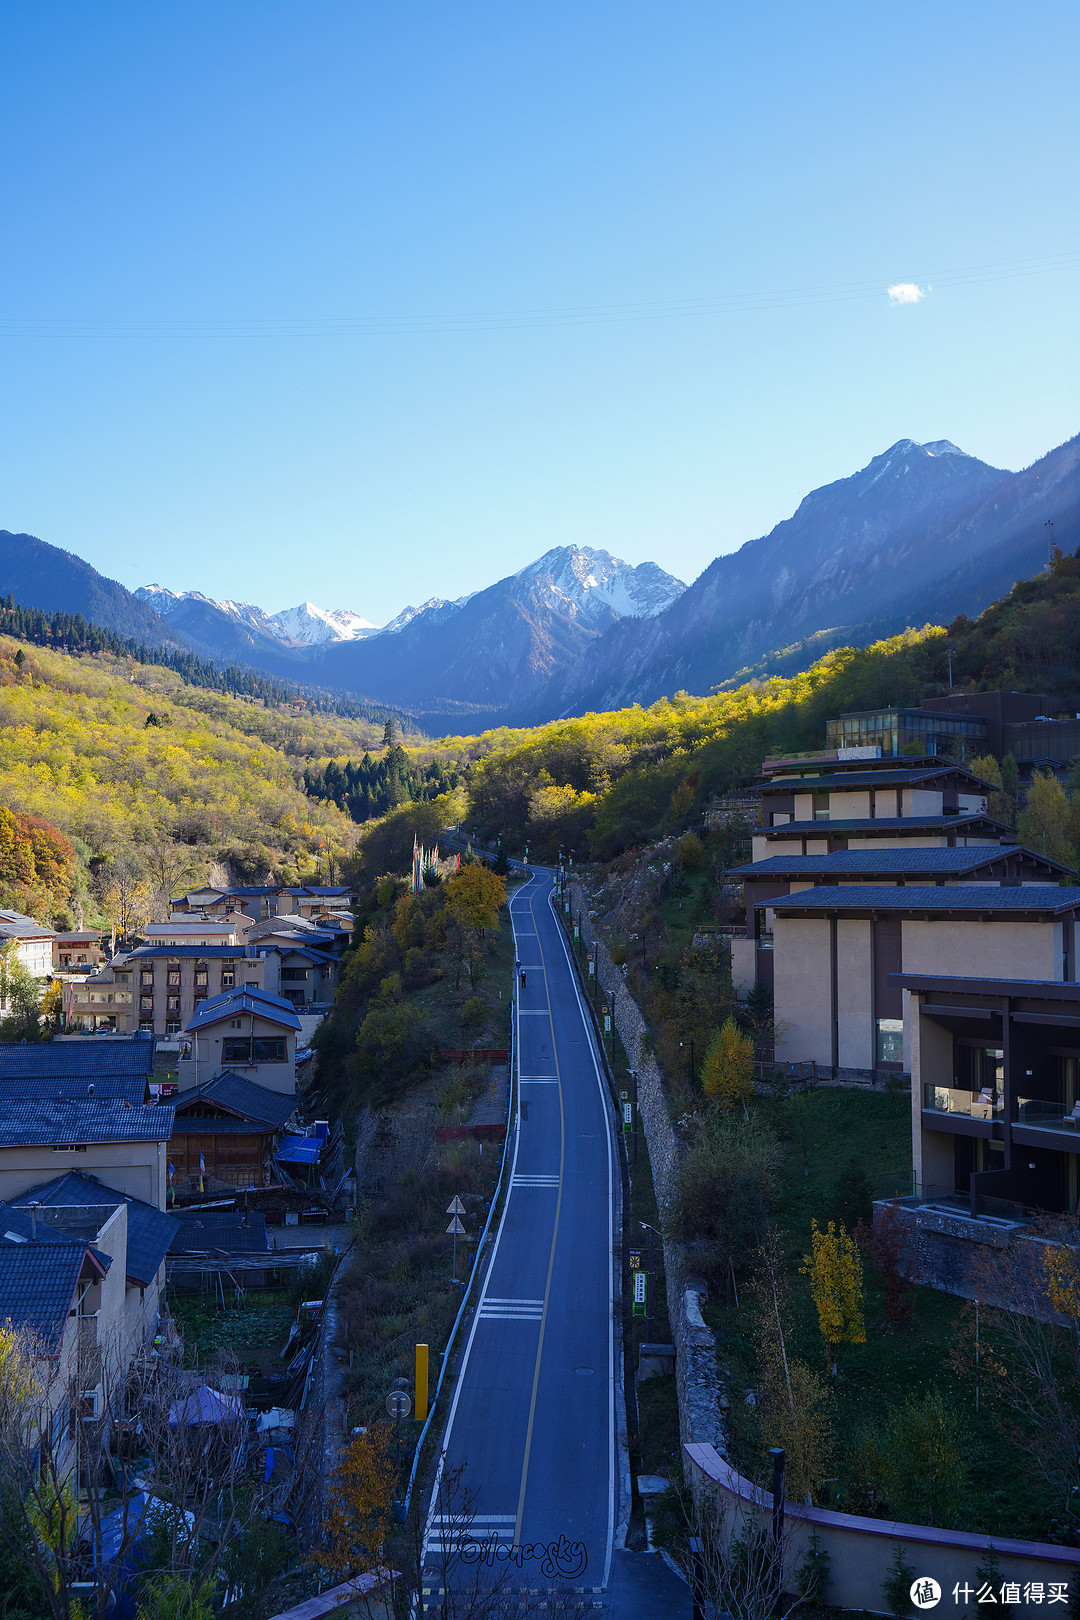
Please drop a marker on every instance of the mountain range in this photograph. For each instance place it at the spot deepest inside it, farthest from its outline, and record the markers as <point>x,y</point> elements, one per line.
<point>922,533</point>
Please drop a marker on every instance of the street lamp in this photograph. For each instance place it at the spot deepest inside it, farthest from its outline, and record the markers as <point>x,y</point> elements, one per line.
<point>645,1227</point>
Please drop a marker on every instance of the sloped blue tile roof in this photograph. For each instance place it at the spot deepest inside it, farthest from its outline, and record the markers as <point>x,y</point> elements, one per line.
<point>1047,898</point>
<point>243,1097</point>
<point>53,1123</point>
<point>851,862</point>
<point>128,1088</point>
<point>149,1231</point>
<point>38,1282</point>
<point>245,1000</point>
<point>226,1231</point>
<point>94,1057</point>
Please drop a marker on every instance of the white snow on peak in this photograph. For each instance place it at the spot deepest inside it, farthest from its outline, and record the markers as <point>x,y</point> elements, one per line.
<point>434,610</point>
<point>312,626</point>
<point>599,585</point>
<point>305,625</point>
<point>945,447</point>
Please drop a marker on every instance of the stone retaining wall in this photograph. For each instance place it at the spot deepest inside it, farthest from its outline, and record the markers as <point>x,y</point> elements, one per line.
<point>696,1378</point>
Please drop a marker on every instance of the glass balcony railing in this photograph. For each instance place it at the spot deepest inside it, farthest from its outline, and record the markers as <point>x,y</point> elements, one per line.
<point>1047,1116</point>
<point>985,1104</point>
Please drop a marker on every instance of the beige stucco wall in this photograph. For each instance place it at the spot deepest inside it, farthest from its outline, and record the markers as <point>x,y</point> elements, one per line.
<point>137,1168</point>
<point>206,1060</point>
<point>921,802</point>
<point>931,841</point>
<point>1005,949</point>
<point>854,994</point>
<point>849,806</point>
<point>972,804</point>
<point>743,965</point>
<point>801,990</point>
<point>861,1551</point>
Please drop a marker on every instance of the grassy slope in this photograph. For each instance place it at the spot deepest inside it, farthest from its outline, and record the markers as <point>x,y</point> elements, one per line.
<point>1006,1497</point>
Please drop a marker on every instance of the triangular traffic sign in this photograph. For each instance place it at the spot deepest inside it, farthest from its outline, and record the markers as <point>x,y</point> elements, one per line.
<point>456,1208</point>
<point>456,1226</point>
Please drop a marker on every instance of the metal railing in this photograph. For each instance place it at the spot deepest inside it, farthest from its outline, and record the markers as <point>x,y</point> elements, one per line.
<point>467,1289</point>
<point>984,1104</point>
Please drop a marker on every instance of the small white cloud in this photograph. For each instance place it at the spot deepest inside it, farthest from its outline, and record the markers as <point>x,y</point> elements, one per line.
<point>906,292</point>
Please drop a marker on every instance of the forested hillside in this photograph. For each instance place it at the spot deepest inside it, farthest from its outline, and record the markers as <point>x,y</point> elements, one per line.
<point>597,784</point>
<point>123,783</point>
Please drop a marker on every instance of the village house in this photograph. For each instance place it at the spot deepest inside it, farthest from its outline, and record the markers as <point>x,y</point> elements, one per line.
<point>53,1286</point>
<point>120,1144</point>
<point>247,1031</point>
<point>225,1133</point>
<point>33,943</point>
<point>198,931</point>
<point>78,951</point>
<point>836,949</point>
<point>261,901</point>
<point>902,864</point>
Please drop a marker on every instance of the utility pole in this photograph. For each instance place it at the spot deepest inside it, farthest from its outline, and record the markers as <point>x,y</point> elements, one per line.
<point>949,655</point>
<point>1049,544</point>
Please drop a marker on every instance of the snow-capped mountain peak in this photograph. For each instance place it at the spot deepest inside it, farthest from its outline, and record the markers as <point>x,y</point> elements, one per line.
<point>602,586</point>
<point>311,625</point>
<point>302,626</point>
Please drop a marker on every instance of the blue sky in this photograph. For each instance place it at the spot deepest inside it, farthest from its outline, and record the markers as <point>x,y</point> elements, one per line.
<point>365,303</point>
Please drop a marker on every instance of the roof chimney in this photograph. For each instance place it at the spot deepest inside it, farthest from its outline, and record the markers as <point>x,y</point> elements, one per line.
<point>33,1221</point>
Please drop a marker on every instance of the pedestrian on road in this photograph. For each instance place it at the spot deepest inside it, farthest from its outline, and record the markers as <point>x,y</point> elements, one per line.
<point>523,978</point>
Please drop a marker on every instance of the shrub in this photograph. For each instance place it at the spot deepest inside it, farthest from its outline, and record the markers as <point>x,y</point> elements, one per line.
<point>690,852</point>
<point>812,1575</point>
<point>896,1587</point>
<point>474,1013</point>
<point>728,1186</point>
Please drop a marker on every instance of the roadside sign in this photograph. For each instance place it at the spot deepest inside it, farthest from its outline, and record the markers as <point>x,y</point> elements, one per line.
<point>635,1259</point>
<point>641,1286</point>
<point>398,1404</point>
<point>628,1116</point>
<point>607,1023</point>
<point>592,967</point>
<point>456,1227</point>
<point>456,1207</point>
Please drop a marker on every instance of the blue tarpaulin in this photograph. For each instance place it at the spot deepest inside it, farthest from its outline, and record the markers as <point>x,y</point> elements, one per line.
<point>298,1149</point>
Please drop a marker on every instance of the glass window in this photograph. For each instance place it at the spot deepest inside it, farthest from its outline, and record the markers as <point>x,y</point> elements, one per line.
<point>269,1048</point>
<point>890,1040</point>
<point>235,1051</point>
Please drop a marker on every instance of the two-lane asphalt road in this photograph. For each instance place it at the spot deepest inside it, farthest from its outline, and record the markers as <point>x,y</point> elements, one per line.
<point>532,1424</point>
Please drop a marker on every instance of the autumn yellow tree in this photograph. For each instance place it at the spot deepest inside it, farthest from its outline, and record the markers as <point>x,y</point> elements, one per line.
<point>475,896</point>
<point>727,1074</point>
<point>361,1507</point>
<point>125,896</point>
<point>836,1283</point>
<point>794,1403</point>
<point>1047,822</point>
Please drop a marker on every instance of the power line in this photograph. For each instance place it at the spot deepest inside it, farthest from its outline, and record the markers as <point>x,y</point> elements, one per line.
<point>316,326</point>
